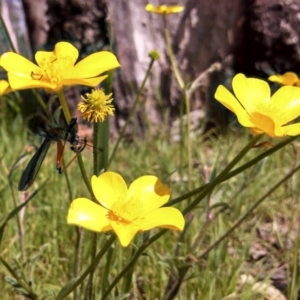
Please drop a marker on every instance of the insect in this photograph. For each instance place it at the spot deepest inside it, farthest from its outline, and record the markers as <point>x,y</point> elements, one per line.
<point>59,135</point>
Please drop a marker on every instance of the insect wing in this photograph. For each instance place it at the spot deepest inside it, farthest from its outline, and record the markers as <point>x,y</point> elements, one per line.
<point>33,167</point>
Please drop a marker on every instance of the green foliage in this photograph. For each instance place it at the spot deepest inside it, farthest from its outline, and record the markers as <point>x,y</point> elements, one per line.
<point>44,254</point>
<point>240,205</point>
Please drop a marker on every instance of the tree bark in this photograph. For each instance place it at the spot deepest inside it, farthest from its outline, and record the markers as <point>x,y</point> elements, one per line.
<point>262,36</point>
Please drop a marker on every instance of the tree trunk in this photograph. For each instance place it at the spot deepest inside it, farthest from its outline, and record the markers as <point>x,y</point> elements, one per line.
<point>261,36</point>
<point>201,35</point>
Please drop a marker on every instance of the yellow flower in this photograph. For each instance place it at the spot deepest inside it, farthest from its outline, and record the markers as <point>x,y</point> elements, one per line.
<point>123,210</point>
<point>96,106</point>
<point>255,108</point>
<point>288,78</point>
<point>164,9</point>
<point>57,69</point>
<point>4,87</point>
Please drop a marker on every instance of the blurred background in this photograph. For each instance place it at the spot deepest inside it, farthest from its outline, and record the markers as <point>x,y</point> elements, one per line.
<point>255,37</point>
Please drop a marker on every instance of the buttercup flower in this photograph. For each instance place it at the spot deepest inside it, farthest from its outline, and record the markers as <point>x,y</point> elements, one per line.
<point>4,87</point>
<point>288,78</point>
<point>96,106</point>
<point>255,108</point>
<point>57,69</point>
<point>125,210</point>
<point>164,9</point>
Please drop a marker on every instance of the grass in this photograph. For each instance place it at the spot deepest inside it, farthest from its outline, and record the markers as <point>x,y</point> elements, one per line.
<point>265,246</point>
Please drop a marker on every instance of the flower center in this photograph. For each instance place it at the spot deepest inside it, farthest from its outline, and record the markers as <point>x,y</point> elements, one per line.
<point>264,123</point>
<point>125,212</point>
<point>96,106</point>
<point>54,69</point>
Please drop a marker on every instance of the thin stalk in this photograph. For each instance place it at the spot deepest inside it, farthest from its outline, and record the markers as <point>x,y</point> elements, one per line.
<point>188,139</point>
<point>222,175</point>
<point>101,143</point>
<point>21,232</point>
<point>78,256</point>
<point>89,293</point>
<point>139,93</point>
<point>79,240</point>
<point>182,143</point>
<point>186,100</point>
<point>171,55</point>
<point>100,138</point>
<point>107,269</point>
<point>248,212</point>
<point>64,105</point>
<point>20,281</point>
<point>131,263</point>
<point>67,115</point>
<point>235,171</point>
<point>65,291</point>
<point>40,101</point>
<point>11,45</point>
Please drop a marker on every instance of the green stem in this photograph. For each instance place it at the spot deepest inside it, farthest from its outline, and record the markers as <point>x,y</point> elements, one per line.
<point>171,55</point>
<point>78,256</point>
<point>101,143</point>
<point>20,281</point>
<point>139,93</point>
<point>235,171</point>
<point>68,288</point>
<point>40,101</point>
<point>186,99</point>
<point>11,45</point>
<point>222,175</point>
<point>19,223</point>
<point>248,212</point>
<point>188,139</point>
<point>67,115</point>
<point>100,138</point>
<point>89,294</point>
<point>79,240</point>
<point>96,143</point>
<point>131,263</point>
<point>64,105</point>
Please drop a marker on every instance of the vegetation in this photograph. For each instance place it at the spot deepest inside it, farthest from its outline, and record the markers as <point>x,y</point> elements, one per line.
<point>238,193</point>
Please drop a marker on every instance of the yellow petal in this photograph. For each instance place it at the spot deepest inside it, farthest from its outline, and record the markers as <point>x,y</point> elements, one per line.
<point>108,188</point>
<point>263,123</point>
<point>164,9</point>
<point>251,92</point>
<point>18,65</point>
<point>42,56</point>
<point>288,78</point>
<point>61,49</point>
<point>64,49</point>
<point>174,9</point>
<point>286,103</point>
<point>87,214</point>
<point>229,101</point>
<point>4,87</point>
<point>92,82</point>
<point>151,8</point>
<point>292,130</point>
<point>125,233</point>
<point>151,192</point>
<point>95,64</point>
<point>26,82</point>
<point>167,217</point>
